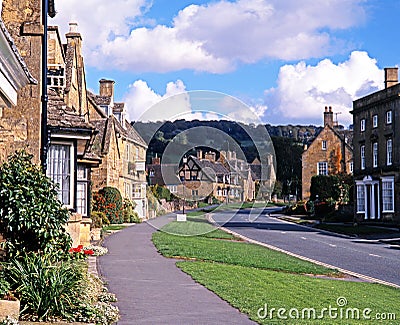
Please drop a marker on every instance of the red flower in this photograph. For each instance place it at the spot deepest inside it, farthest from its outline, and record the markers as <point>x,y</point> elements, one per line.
<point>88,252</point>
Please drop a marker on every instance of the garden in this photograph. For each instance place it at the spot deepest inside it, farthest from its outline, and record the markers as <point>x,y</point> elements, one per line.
<point>43,278</point>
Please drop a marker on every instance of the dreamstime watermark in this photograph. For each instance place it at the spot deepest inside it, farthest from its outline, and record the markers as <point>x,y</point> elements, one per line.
<point>339,311</point>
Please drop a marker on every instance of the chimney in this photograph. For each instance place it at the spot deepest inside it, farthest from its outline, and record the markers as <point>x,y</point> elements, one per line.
<point>107,88</point>
<point>155,160</point>
<point>391,77</point>
<point>210,156</point>
<point>328,116</point>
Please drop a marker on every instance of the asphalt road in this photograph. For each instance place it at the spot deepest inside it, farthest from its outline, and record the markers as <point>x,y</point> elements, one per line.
<point>369,258</point>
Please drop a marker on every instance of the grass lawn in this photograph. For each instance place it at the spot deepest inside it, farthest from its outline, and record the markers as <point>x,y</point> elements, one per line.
<point>359,230</point>
<point>113,227</point>
<point>250,289</point>
<point>249,276</point>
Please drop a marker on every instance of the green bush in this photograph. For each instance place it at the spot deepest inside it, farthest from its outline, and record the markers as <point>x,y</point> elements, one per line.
<point>46,288</point>
<point>32,219</point>
<point>109,201</point>
<point>99,219</point>
<point>325,187</point>
<point>130,215</point>
<point>161,192</point>
<point>4,285</point>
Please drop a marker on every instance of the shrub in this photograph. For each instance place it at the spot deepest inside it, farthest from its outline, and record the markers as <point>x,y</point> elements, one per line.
<point>109,201</point>
<point>32,219</point>
<point>130,215</point>
<point>325,187</point>
<point>99,219</point>
<point>46,288</point>
<point>4,285</point>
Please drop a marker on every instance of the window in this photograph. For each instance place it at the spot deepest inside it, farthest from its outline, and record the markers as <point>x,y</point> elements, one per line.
<point>389,117</point>
<point>82,192</point>
<point>362,154</point>
<point>127,190</point>
<point>195,192</point>
<point>362,124</point>
<point>389,151</point>
<point>172,188</point>
<point>375,154</point>
<point>351,167</point>
<point>323,168</point>
<point>323,144</point>
<point>360,199</point>
<point>375,121</point>
<point>388,194</point>
<point>137,191</point>
<point>60,171</point>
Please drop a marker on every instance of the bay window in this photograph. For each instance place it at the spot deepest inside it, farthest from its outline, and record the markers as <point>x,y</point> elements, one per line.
<point>60,169</point>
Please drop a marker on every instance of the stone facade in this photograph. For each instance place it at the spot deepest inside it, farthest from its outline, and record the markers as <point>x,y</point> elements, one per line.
<point>377,153</point>
<point>329,153</point>
<point>121,148</point>
<point>21,125</point>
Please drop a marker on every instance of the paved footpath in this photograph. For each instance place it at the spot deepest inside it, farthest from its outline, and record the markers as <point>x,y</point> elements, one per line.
<point>152,290</point>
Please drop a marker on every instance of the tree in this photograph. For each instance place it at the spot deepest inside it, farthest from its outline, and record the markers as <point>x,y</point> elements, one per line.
<point>32,219</point>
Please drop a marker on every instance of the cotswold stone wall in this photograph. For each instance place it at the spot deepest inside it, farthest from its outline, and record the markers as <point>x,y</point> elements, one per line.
<point>20,125</point>
<point>333,155</point>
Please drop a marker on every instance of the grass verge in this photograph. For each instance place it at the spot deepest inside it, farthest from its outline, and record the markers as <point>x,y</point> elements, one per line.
<point>250,289</point>
<point>360,230</point>
<point>249,276</point>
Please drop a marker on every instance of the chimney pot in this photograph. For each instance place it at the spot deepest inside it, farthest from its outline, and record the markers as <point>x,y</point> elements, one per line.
<point>73,27</point>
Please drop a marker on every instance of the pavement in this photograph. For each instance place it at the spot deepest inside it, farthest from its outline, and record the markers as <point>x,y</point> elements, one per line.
<point>151,289</point>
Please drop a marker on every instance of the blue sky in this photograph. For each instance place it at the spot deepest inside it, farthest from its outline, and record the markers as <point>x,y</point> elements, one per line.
<point>286,59</point>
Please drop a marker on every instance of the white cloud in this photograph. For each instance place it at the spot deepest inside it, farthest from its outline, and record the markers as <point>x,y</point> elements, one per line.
<point>144,104</point>
<point>304,90</point>
<point>212,37</point>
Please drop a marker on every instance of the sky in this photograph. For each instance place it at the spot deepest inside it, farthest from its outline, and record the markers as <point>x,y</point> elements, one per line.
<point>284,59</point>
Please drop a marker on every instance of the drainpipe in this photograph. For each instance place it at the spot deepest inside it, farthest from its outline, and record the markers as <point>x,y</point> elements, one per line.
<point>44,130</point>
<point>47,9</point>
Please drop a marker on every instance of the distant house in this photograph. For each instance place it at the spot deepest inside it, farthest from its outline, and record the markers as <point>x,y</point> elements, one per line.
<point>121,148</point>
<point>330,153</point>
<point>377,153</point>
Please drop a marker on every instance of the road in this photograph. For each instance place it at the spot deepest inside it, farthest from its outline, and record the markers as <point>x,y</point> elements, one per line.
<point>369,258</point>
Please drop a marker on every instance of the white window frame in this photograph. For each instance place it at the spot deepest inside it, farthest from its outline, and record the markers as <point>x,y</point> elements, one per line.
<point>322,168</point>
<point>324,146</point>
<point>387,194</point>
<point>362,155</point>
<point>389,152</point>
<point>82,186</point>
<point>375,154</point>
<point>389,117</point>
<point>50,173</point>
<point>360,202</point>
<point>362,124</point>
<point>375,121</point>
<point>351,167</point>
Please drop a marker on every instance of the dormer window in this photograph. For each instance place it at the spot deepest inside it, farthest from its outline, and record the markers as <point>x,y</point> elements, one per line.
<point>106,109</point>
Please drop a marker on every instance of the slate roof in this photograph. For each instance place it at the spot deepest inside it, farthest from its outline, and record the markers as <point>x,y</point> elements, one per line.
<point>217,167</point>
<point>59,115</point>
